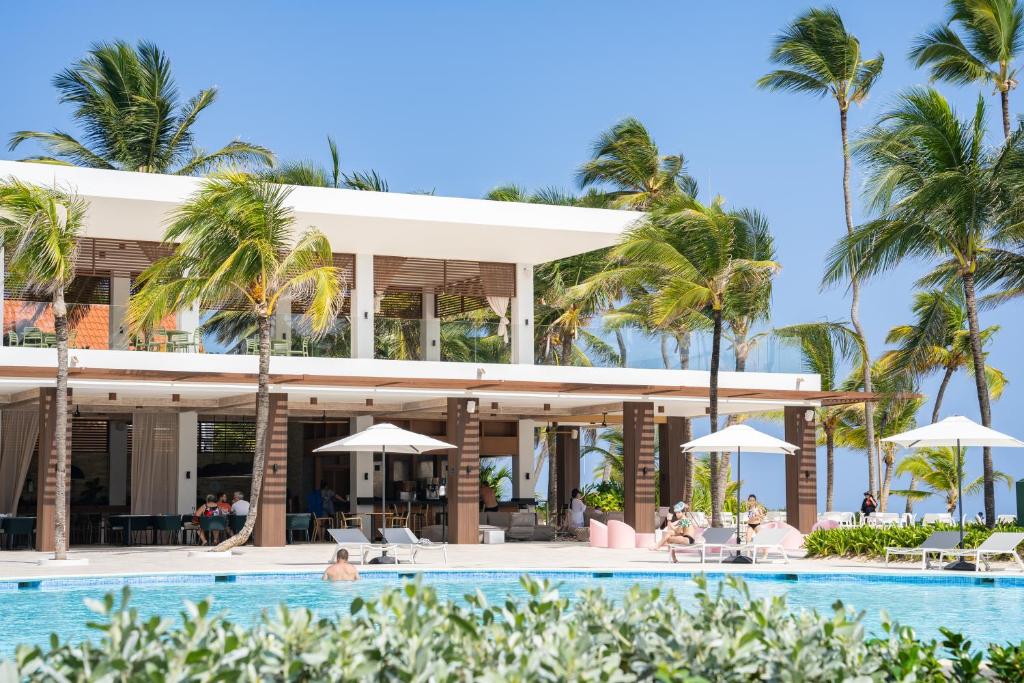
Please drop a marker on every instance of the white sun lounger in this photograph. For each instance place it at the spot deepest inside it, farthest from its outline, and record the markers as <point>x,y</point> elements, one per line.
<point>355,538</point>
<point>936,544</point>
<point>712,541</point>
<point>999,543</point>
<point>405,538</point>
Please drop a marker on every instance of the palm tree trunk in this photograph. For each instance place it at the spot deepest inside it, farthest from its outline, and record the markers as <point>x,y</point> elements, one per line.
<point>683,346</point>
<point>883,502</point>
<point>869,409</point>
<point>60,518</point>
<point>1004,98</point>
<point>830,468</point>
<point>621,341</point>
<point>260,456</point>
<point>664,352</point>
<point>981,383</point>
<point>714,464</point>
<point>946,377</point>
<point>687,464</point>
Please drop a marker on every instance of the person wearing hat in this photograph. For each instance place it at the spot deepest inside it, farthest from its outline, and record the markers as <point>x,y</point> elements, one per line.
<point>679,529</point>
<point>869,505</point>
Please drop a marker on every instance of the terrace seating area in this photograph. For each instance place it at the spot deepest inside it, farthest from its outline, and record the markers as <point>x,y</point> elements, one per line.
<point>831,520</point>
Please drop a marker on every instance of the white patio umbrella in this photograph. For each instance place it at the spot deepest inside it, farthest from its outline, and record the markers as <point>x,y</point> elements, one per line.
<point>385,437</point>
<point>738,438</point>
<point>960,432</point>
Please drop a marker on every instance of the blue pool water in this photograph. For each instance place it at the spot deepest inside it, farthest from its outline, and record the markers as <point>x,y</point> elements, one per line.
<point>987,610</point>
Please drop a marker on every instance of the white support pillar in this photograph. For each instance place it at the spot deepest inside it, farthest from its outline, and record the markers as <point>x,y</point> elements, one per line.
<point>283,320</point>
<point>363,308</point>
<point>523,485</point>
<point>360,472</point>
<point>430,329</point>
<point>188,319</point>
<point>522,316</point>
<point>119,455</point>
<point>188,461</point>
<point>120,292</point>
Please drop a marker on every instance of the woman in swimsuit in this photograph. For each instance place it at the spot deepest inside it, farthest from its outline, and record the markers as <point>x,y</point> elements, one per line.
<point>680,529</point>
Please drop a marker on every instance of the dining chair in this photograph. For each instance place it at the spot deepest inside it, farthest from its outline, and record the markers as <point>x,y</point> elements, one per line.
<point>280,347</point>
<point>12,338</point>
<point>49,340</point>
<point>303,349</point>
<point>350,520</point>
<point>32,336</point>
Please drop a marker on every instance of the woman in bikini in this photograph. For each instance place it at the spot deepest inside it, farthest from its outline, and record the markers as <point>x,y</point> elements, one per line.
<point>680,529</point>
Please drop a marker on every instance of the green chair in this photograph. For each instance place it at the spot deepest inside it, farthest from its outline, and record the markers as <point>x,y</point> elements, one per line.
<point>215,523</point>
<point>49,340</point>
<point>297,522</point>
<point>235,523</point>
<point>12,338</point>
<point>32,336</point>
<point>303,349</point>
<point>280,347</point>
<point>15,527</point>
<point>167,527</point>
<point>178,340</point>
<point>252,347</point>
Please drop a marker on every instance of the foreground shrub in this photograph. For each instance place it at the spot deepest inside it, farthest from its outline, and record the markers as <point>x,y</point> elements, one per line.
<point>866,541</point>
<point>410,635</point>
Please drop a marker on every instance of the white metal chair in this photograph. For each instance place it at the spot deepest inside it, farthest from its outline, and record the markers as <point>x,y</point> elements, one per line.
<point>937,518</point>
<point>841,518</point>
<point>999,543</point>
<point>711,541</point>
<point>884,519</point>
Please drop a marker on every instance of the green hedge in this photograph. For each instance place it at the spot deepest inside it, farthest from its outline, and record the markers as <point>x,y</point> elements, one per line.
<point>409,634</point>
<point>865,541</point>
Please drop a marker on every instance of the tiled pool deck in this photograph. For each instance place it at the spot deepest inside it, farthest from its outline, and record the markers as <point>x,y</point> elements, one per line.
<point>20,569</point>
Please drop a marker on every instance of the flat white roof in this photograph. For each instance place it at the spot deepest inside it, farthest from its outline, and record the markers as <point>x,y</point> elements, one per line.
<point>126,205</point>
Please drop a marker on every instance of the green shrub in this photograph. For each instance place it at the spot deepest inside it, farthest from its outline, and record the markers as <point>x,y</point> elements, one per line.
<point>865,541</point>
<point>609,496</point>
<point>410,635</point>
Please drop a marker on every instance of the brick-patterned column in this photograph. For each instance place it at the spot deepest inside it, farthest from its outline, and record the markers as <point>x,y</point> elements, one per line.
<point>638,464</point>
<point>567,450</point>
<point>270,522</point>
<point>46,473</point>
<point>463,486</point>
<point>801,469</point>
<point>672,462</point>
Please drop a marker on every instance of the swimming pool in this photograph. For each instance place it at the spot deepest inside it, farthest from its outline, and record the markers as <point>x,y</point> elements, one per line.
<point>986,609</point>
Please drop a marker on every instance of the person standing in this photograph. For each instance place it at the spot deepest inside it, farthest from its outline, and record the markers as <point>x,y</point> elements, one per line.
<point>755,513</point>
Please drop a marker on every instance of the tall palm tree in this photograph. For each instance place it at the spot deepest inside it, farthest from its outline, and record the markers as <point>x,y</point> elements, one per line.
<point>938,341</point>
<point>820,57</point>
<point>630,172</point>
<point>608,445</point>
<point>985,51</point>
<point>936,468</point>
<point>132,118</point>
<point>943,196</point>
<point>694,259</point>
<point>236,242</point>
<point>40,228</point>
<point>311,174</point>
<point>825,347</point>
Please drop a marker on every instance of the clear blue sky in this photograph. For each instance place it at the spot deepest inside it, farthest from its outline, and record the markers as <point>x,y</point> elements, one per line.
<point>461,96</point>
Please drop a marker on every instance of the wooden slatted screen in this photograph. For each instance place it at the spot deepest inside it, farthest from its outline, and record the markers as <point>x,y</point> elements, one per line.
<point>460,286</point>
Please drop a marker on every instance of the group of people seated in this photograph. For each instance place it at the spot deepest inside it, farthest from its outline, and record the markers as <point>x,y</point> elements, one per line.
<point>218,506</point>
<point>680,529</point>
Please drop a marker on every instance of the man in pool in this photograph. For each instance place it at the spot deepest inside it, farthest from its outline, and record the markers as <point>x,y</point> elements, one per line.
<point>341,570</point>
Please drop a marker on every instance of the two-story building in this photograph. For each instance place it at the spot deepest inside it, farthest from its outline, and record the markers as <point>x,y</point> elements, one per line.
<point>161,420</point>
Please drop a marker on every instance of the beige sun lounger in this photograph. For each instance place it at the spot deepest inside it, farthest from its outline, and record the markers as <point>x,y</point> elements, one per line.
<point>405,538</point>
<point>712,540</point>
<point>999,543</point>
<point>936,544</point>
<point>355,538</point>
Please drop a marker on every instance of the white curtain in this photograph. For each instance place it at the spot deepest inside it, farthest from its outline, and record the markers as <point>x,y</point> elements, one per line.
<point>19,432</point>
<point>154,463</point>
<point>499,304</point>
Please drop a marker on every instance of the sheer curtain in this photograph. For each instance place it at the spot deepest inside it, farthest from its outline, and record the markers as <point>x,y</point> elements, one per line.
<point>499,304</point>
<point>154,463</point>
<point>19,432</point>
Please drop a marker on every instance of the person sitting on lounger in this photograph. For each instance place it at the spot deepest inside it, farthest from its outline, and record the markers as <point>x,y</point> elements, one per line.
<point>680,529</point>
<point>341,570</point>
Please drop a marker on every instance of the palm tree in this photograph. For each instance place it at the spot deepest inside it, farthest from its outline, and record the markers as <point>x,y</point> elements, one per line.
<point>132,119</point>
<point>611,467</point>
<point>990,40</point>
<point>824,348</point>
<point>936,468</point>
<point>236,243</point>
<point>938,341</point>
<point>818,56</point>
<point>492,476</point>
<point>626,160</point>
<point>694,259</point>
<point>40,234</point>
<point>310,174</point>
<point>943,196</point>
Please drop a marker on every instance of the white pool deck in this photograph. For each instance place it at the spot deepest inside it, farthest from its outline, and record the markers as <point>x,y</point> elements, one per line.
<point>305,558</point>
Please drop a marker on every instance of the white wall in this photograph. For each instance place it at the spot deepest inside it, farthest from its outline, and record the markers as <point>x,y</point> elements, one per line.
<point>362,308</point>
<point>522,326</point>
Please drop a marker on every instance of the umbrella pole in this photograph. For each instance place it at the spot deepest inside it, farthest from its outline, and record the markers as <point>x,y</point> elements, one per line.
<point>960,565</point>
<point>739,557</point>
<point>384,557</point>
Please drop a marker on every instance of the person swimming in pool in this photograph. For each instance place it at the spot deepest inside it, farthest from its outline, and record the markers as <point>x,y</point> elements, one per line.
<point>341,569</point>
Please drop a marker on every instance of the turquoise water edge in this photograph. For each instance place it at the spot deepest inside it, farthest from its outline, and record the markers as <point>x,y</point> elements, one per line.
<point>986,609</point>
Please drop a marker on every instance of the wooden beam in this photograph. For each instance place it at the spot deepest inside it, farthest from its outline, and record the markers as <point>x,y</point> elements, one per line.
<point>237,400</point>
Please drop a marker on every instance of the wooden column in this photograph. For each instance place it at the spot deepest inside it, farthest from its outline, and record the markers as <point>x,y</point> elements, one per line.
<point>463,431</point>
<point>801,469</point>
<point>567,451</point>
<point>270,522</point>
<point>638,464</point>
<point>672,462</point>
<point>46,472</point>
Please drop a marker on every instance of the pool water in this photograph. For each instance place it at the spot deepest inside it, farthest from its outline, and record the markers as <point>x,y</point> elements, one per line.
<point>986,610</point>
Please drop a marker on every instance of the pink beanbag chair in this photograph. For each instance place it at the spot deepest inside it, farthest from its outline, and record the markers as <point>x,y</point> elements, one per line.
<point>825,524</point>
<point>644,540</point>
<point>598,534</point>
<point>620,535</point>
<point>793,540</point>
